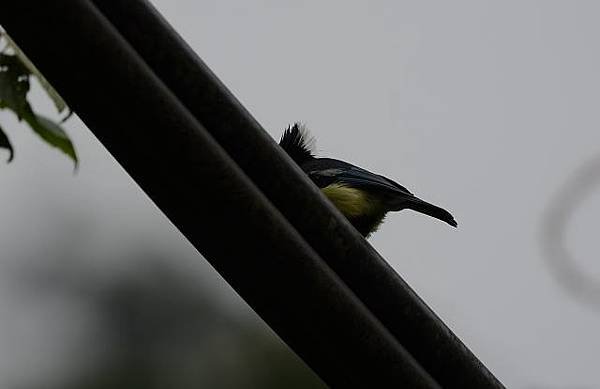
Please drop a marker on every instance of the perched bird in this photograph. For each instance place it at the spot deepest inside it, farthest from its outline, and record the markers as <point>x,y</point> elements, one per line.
<point>363,197</point>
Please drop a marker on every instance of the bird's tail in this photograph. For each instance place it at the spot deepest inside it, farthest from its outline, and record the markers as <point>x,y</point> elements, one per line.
<point>416,204</point>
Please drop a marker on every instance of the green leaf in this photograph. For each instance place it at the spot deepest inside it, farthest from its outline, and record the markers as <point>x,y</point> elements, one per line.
<point>52,133</point>
<point>58,101</point>
<point>14,85</point>
<point>15,72</point>
<point>5,144</point>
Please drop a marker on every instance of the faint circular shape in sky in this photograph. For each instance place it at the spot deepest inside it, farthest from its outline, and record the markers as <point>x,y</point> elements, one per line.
<point>584,182</point>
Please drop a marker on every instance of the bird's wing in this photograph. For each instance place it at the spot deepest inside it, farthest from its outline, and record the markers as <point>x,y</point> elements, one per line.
<point>364,179</point>
<point>357,177</point>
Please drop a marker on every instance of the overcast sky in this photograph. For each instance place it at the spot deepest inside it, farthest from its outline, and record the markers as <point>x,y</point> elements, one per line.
<point>487,108</point>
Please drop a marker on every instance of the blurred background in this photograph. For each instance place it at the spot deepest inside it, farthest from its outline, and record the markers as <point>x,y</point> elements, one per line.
<point>489,109</point>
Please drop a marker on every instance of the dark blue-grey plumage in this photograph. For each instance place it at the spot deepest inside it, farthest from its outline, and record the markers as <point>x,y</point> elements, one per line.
<point>385,194</point>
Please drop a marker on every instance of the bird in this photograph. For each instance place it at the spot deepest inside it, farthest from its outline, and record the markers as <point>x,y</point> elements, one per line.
<point>364,198</point>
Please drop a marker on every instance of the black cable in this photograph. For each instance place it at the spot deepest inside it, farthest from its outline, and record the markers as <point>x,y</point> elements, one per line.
<point>381,289</point>
<point>204,193</point>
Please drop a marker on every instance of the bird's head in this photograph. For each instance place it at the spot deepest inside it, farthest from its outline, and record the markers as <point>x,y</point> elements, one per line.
<point>298,143</point>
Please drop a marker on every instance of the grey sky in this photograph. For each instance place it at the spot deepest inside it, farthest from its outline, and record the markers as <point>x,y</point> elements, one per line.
<point>483,107</point>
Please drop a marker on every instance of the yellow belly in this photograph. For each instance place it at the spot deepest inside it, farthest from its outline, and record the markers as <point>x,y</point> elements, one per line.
<point>351,202</point>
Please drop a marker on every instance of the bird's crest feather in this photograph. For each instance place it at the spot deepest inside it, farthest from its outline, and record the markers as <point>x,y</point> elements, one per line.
<point>298,143</point>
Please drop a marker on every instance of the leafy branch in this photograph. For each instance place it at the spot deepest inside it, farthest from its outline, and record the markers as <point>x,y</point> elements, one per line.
<point>16,71</point>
